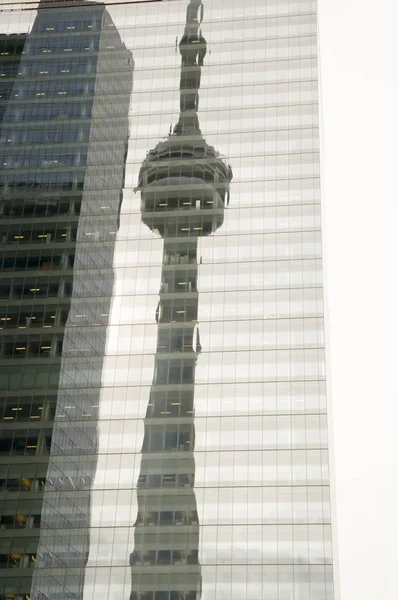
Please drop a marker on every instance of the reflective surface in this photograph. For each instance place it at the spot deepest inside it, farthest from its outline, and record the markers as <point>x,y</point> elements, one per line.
<point>63,155</point>
<point>184,186</point>
<point>206,422</point>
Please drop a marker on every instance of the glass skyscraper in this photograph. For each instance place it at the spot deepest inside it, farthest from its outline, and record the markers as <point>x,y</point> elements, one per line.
<point>162,369</point>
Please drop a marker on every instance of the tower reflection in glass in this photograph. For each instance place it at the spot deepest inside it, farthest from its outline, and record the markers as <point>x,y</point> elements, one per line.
<point>184,186</point>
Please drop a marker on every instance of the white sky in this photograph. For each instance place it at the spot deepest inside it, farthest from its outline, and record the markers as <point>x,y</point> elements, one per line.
<point>360,105</point>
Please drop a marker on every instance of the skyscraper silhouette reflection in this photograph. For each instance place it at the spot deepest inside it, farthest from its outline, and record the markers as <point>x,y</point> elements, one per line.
<point>63,155</point>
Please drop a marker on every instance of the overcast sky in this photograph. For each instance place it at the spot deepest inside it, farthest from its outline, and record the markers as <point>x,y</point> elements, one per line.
<point>360,104</point>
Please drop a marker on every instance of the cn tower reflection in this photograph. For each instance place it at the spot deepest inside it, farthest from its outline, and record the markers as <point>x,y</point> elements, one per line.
<point>184,186</point>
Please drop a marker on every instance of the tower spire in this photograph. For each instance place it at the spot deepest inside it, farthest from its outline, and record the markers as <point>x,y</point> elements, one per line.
<point>193,48</point>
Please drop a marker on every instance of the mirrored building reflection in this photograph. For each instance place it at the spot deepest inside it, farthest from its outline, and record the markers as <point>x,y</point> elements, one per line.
<point>63,152</point>
<point>164,426</point>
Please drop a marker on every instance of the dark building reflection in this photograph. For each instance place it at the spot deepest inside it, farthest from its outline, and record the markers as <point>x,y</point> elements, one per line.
<point>65,96</point>
<point>11,48</point>
<point>184,186</point>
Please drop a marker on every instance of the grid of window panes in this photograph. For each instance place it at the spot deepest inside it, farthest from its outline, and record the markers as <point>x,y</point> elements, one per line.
<point>212,478</point>
<point>62,158</point>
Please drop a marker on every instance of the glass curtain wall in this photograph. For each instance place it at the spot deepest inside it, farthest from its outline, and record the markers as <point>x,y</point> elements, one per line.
<point>66,87</point>
<point>211,445</point>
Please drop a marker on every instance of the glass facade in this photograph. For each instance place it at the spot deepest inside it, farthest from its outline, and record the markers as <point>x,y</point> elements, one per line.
<point>162,368</point>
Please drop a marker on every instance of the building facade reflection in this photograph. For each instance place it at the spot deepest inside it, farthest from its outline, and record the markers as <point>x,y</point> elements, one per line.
<point>184,187</point>
<point>210,451</point>
<point>63,159</point>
